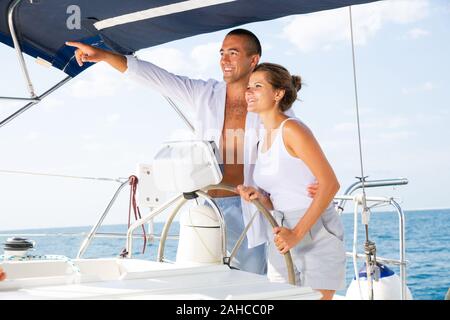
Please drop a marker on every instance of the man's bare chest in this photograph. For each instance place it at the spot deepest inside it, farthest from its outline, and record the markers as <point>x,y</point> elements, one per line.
<point>235,115</point>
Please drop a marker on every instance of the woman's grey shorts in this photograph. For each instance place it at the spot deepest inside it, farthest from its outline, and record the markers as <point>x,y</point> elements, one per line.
<point>319,259</point>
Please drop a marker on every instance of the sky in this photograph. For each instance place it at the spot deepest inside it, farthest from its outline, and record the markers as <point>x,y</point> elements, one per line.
<point>101,124</point>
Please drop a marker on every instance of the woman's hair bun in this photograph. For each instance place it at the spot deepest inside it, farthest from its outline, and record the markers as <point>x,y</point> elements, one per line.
<point>297,82</point>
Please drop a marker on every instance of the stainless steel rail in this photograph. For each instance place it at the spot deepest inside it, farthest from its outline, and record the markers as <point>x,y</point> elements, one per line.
<point>162,243</point>
<point>369,184</point>
<point>87,241</point>
<point>140,222</point>
<point>34,102</point>
<point>20,99</point>
<point>34,99</point>
<point>402,262</point>
<point>12,7</point>
<point>202,193</point>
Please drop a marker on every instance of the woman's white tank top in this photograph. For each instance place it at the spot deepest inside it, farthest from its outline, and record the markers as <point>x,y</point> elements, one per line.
<point>283,176</point>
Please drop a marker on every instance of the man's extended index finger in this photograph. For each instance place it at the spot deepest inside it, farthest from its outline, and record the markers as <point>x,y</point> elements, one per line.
<point>78,45</point>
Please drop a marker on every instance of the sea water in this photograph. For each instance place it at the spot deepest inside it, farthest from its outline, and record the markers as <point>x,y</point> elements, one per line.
<point>427,250</point>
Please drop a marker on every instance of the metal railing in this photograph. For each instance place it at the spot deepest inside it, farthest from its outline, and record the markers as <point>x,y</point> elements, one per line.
<point>369,184</point>
<point>33,99</point>
<point>357,199</point>
<point>179,200</point>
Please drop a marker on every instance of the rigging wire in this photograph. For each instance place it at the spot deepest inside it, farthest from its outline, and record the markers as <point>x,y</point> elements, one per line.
<point>355,83</point>
<point>369,246</point>
<point>119,180</point>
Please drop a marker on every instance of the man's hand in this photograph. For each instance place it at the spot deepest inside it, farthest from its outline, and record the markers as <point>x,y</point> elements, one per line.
<point>250,193</point>
<point>312,189</point>
<point>87,53</point>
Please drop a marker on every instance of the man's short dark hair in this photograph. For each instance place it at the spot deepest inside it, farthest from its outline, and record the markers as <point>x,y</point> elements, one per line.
<point>253,46</point>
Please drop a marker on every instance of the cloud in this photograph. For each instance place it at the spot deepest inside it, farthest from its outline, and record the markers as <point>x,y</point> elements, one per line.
<point>400,135</point>
<point>32,136</point>
<point>112,119</point>
<point>167,58</point>
<point>93,146</point>
<point>363,111</point>
<point>98,81</point>
<point>417,33</point>
<point>345,126</point>
<point>51,103</point>
<point>8,107</point>
<point>87,136</point>
<point>428,86</point>
<point>391,122</point>
<point>199,63</point>
<point>425,87</point>
<point>323,30</point>
<point>206,58</point>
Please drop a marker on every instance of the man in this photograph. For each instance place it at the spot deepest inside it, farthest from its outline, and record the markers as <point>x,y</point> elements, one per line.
<point>221,111</point>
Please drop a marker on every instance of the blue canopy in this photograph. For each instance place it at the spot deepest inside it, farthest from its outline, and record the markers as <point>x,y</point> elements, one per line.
<point>126,26</point>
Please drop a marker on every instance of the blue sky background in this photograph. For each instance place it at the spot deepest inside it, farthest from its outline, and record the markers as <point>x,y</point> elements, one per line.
<point>102,125</point>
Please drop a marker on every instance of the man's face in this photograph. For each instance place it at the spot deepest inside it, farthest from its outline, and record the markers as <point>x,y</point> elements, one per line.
<point>235,62</point>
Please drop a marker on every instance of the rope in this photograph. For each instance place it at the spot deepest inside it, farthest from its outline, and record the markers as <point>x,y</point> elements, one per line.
<point>133,206</point>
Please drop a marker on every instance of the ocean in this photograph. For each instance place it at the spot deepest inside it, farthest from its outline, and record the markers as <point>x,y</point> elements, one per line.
<point>427,251</point>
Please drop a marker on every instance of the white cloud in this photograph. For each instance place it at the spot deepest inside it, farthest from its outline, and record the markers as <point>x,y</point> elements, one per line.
<point>167,58</point>
<point>198,63</point>
<point>391,122</point>
<point>322,30</point>
<point>206,58</point>
<point>267,47</point>
<point>428,86</point>
<point>314,31</point>
<point>394,122</point>
<point>32,136</point>
<point>10,105</point>
<point>100,80</point>
<point>112,119</point>
<point>345,126</point>
<point>363,111</point>
<point>417,33</point>
<point>425,87</point>
<point>93,146</point>
<point>87,136</point>
<point>51,103</point>
<point>400,135</point>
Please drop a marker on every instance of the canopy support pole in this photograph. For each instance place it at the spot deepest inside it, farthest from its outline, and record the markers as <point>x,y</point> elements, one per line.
<point>18,99</point>
<point>181,114</point>
<point>34,99</point>
<point>20,57</point>
<point>39,99</point>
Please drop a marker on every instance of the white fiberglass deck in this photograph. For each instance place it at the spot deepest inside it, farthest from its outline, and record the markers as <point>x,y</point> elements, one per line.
<point>138,279</point>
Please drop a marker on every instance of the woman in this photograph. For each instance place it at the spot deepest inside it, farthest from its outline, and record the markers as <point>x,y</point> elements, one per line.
<point>290,159</point>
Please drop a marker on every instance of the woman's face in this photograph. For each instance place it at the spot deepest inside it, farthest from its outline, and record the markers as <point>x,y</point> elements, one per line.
<point>260,94</point>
